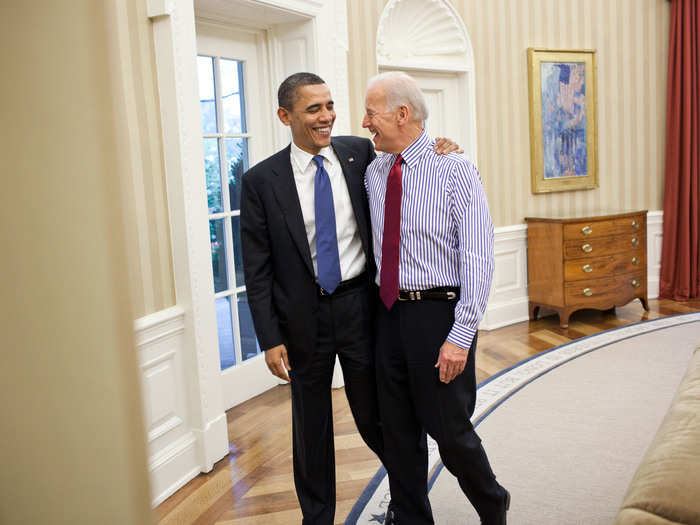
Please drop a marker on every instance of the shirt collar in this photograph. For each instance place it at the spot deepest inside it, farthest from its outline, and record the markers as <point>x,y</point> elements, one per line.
<point>414,151</point>
<point>302,158</point>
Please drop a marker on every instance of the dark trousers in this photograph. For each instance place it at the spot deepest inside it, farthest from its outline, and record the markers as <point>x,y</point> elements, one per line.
<point>413,401</point>
<point>345,329</point>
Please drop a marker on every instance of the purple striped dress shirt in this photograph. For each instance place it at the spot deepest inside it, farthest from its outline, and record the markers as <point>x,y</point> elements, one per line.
<point>446,229</point>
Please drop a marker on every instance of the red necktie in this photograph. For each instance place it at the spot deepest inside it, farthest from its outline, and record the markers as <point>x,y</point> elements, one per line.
<point>389,275</point>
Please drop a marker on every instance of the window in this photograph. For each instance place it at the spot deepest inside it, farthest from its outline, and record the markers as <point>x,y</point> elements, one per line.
<point>226,136</point>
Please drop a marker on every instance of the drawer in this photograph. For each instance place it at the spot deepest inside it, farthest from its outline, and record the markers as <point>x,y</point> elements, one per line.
<point>631,225</point>
<point>602,246</point>
<point>628,262</point>
<point>589,229</point>
<point>631,283</point>
<point>591,292</point>
<point>591,267</point>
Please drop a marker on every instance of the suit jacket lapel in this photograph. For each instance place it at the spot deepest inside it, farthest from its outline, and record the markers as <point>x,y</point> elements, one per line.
<point>286,193</point>
<point>356,188</point>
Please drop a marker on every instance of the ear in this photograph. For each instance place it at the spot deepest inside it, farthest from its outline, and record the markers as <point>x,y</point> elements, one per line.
<point>283,115</point>
<point>402,115</point>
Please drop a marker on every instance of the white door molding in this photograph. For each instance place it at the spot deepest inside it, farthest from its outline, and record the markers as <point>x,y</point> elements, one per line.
<point>423,36</point>
<point>175,54</point>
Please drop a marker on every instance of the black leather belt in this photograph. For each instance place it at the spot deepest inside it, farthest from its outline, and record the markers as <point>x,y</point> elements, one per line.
<point>355,282</point>
<point>442,293</point>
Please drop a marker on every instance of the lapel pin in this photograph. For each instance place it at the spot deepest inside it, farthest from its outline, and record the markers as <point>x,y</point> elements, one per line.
<point>351,159</point>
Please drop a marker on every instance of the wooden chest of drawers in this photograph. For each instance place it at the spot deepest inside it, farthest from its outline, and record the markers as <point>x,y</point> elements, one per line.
<point>586,262</point>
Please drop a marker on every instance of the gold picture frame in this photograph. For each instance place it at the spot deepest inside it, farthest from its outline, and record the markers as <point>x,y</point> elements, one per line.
<point>563,125</point>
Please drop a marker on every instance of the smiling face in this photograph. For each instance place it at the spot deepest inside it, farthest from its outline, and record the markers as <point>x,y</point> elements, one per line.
<point>381,122</point>
<point>311,118</point>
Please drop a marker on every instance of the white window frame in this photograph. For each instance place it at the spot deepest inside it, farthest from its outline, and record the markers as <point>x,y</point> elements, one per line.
<point>233,287</point>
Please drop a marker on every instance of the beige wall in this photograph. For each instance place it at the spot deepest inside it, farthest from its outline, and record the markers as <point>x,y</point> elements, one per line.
<point>631,41</point>
<point>148,256</point>
<point>73,443</point>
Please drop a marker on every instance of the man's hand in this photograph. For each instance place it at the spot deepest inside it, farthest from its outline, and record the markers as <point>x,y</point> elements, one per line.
<point>277,361</point>
<point>451,361</point>
<point>444,145</point>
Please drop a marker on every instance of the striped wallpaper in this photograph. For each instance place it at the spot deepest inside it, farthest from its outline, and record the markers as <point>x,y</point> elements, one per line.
<point>631,42</point>
<point>148,256</point>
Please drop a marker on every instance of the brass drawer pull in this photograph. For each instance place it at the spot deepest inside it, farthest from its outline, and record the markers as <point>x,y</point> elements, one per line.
<point>586,230</point>
<point>635,283</point>
<point>587,292</point>
<point>635,241</point>
<point>635,260</point>
<point>587,248</point>
<point>587,268</point>
<point>635,224</point>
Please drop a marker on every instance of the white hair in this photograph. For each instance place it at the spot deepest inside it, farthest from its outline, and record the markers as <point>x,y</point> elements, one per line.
<point>401,90</point>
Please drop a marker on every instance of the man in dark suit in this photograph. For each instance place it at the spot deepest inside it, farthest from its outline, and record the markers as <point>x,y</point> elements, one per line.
<point>309,273</point>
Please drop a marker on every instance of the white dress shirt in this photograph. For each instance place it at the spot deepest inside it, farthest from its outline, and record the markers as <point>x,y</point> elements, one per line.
<point>352,258</point>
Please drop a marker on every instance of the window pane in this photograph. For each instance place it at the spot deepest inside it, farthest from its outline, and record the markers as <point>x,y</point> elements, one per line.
<point>227,354</point>
<point>212,173</point>
<point>237,257</point>
<point>249,344</point>
<point>207,102</point>
<point>218,254</point>
<point>232,96</point>
<point>236,165</point>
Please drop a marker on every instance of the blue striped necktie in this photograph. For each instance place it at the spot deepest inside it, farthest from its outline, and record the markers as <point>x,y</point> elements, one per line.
<point>327,257</point>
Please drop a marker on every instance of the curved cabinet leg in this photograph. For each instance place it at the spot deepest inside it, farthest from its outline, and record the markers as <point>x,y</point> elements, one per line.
<point>564,315</point>
<point>533,310</point>
<point>645,303</point>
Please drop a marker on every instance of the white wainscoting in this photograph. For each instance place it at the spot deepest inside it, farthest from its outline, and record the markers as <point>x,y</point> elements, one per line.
<point>508,300</point>
<point>173,453</point>
<point>655,221</point>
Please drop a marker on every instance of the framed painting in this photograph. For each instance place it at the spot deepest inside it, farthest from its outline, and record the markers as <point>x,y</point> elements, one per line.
<point>563,130</point>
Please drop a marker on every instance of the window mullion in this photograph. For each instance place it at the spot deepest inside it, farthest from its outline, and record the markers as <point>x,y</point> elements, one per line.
<point>230,269</point>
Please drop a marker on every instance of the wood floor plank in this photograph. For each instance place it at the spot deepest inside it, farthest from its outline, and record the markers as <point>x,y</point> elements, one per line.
<point>254,483</point>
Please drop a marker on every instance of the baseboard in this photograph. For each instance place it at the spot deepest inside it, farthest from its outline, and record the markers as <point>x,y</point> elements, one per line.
<point>171,468</point>
<point>505,313</point>
<point>212,442</point>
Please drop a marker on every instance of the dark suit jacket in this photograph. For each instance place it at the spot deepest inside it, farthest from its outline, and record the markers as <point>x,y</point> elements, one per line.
<point>279,275</point>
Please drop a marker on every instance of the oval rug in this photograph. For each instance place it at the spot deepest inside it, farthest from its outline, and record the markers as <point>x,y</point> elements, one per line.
<point>565,429</point>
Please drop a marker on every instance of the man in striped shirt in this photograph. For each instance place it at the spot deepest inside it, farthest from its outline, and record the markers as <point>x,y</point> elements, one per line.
<point>433,246</point>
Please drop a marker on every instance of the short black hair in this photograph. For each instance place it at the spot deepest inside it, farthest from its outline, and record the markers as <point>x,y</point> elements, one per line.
<point>286,94</point>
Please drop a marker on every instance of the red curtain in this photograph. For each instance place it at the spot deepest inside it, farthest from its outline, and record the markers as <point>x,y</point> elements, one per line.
<point>680,256</point>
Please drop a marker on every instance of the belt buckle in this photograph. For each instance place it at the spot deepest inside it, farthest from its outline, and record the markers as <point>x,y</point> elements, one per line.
<point>413,295</point>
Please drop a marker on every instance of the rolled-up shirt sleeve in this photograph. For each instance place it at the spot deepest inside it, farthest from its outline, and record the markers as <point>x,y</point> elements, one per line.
<point>476,258</point>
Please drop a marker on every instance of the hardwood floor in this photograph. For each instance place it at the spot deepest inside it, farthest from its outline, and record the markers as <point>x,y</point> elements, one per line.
<point>254,485</point>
